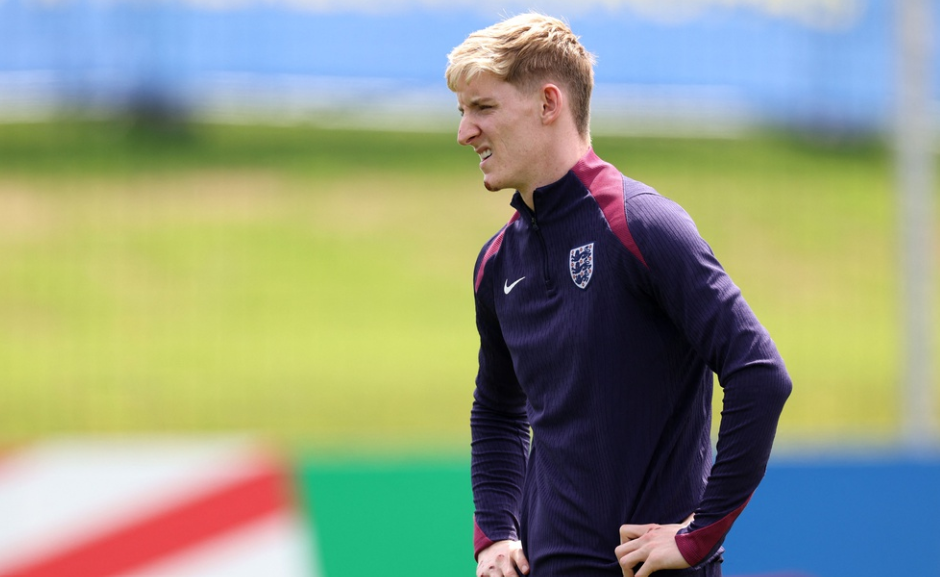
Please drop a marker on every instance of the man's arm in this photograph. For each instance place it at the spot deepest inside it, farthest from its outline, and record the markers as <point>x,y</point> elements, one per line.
<point>708,308</point>
<point>500,433</point>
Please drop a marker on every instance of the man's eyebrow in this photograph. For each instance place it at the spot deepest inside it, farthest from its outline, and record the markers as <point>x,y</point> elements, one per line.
<point>478,100</point>
<point>475,102</point>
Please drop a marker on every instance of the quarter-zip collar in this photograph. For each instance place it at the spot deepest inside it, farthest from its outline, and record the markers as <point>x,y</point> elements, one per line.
<point>551,200</point>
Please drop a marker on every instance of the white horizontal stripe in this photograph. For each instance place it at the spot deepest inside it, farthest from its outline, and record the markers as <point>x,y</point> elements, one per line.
<point>59,493</point>
<point>278,546</point>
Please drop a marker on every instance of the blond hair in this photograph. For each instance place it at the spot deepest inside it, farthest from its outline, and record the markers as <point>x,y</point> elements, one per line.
<point>525,51</point>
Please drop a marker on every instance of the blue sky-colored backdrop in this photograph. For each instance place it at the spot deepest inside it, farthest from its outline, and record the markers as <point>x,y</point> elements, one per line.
<point>819,62</point>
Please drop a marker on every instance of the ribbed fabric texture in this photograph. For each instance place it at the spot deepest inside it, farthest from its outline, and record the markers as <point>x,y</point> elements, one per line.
<point>615,379</point>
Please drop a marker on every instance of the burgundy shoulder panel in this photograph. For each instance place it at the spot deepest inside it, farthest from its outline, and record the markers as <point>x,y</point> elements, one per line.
<point>605,183</point>
<point>491,251</point>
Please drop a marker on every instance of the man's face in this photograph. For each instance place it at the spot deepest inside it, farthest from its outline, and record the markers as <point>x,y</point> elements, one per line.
<point>502,125</point>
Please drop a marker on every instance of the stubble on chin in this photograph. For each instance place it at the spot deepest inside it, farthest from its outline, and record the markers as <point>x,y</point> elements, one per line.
<point>488,185</point>
<point>493,183</point>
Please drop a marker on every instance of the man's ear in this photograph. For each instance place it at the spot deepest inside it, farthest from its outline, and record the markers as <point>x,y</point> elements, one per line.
<point>552,100</point>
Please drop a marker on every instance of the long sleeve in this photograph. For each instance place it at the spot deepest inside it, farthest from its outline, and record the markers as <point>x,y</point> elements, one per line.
<point>709,310</point>
<point>499,428</point>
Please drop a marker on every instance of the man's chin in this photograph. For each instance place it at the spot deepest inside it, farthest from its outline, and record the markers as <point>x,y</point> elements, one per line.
<point>492,186</point>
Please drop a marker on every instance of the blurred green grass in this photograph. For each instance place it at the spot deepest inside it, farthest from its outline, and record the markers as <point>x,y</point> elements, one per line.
<point>314,286</point>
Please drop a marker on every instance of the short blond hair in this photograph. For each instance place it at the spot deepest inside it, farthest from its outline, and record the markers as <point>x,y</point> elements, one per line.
<point>525,51</point>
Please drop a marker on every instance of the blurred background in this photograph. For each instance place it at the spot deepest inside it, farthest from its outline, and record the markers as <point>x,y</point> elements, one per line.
<point>236,245</point>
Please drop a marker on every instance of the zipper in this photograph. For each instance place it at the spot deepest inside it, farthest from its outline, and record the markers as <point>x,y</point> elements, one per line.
<point>546,276</point>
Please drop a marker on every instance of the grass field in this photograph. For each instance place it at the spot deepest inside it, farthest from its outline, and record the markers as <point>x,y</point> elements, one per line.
<point>314,286</point>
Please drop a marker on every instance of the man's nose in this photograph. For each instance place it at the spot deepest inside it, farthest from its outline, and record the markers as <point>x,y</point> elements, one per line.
<point>466,131</point>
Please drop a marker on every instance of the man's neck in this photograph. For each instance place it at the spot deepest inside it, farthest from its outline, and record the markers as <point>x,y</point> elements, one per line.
<point>557,166</point>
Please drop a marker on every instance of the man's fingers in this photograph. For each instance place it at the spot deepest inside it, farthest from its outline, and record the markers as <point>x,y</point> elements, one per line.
<point>630,532</point>
<point>634,550</point>
<point>652,545</point>
<point>506,566</point>
<point>629,562</point>
<point>626,548</point>
<point>645,570</point>
<point>629,555</point>
<point>503,559</point>
<point>521,562</point>
<point>651,563</point>
<point>499,569</point>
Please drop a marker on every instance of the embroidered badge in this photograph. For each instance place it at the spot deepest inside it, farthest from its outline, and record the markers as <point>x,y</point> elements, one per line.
<point>581,265</point>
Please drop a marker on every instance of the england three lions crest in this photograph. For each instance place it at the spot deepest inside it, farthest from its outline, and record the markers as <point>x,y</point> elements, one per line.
<point>581,265</point>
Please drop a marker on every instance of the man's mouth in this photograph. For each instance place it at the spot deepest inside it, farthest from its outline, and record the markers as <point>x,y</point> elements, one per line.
<point>484,154</point>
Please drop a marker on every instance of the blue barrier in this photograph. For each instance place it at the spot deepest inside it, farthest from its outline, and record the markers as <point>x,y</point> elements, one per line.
<point>774,65</point>
<point>841,516</point>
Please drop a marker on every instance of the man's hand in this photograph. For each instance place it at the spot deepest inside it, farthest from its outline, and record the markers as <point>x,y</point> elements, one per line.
<point>653,545</point>
<point>501,559</point>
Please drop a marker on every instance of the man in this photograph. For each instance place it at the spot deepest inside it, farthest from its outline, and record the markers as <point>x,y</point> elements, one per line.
<point>602,315</point>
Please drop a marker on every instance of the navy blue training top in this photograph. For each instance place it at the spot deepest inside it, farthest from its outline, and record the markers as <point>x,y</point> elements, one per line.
<point>602,316</point>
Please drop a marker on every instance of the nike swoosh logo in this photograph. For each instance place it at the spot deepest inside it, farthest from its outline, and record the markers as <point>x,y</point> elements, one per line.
<point>508,287</point>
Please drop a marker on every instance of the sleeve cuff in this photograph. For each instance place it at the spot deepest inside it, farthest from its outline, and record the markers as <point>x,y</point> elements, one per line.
<point>697,546</point>
<point>480,540</point>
